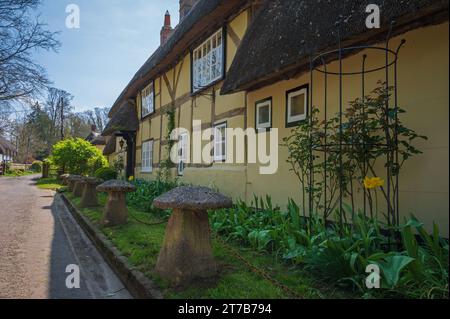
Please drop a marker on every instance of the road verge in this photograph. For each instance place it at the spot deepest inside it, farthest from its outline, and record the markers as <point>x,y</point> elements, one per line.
<point>135,281</point>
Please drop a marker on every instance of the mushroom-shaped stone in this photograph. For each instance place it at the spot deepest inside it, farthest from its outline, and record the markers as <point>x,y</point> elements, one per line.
<point>64,178</point>
<point>71,182</point>
<point>78,185</point>
<point>186,254</point>
<point>116,212</point>
<point>89,197</point>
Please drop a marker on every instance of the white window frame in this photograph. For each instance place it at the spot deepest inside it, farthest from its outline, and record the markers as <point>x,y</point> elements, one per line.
<point>148,100</point>
<point>147,157</point>
<point>218,142</point>
<point>205,71</point>
<point>182,153</point>
<point>260,104</point>
<point>294,93</point>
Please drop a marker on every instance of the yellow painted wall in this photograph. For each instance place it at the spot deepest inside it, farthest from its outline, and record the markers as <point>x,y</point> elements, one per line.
<point>229,179</point>
<point>423,93</point>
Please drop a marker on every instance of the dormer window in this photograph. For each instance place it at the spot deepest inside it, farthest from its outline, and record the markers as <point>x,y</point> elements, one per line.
<point>208,62</point>
<point>148,100</point>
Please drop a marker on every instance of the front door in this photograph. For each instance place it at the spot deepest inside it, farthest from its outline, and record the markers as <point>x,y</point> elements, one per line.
<point>130,138</point>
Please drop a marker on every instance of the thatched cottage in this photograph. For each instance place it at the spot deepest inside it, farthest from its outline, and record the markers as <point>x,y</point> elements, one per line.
<point>247,64</point>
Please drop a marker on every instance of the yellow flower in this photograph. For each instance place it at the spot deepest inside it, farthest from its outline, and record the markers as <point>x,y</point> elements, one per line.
<point>374,182</point>
<point>131,178</point>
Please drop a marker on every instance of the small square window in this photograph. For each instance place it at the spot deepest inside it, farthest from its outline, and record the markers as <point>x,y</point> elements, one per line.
<point>264,114</point>
<point>296,106</point>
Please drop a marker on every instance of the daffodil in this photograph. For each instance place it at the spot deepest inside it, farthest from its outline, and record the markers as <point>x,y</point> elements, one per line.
<point>373,182</point>
<point>131,178</point>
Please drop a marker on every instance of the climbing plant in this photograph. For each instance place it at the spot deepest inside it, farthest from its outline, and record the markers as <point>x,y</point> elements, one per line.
<point>342,153</point>
<point>166,164</point>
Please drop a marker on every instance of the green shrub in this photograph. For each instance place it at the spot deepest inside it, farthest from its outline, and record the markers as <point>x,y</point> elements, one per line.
<point>36,166</point>
<point>146,192</point>
<point>77,156</point>
<point>106,173</point>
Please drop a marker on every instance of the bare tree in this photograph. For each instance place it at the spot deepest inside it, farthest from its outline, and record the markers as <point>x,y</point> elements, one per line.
<point>58,107</point>
<point>101,115</point>
<point>21,34</point>
<point>4,120</point>
<point>78,125</point>
<point>98,117</point>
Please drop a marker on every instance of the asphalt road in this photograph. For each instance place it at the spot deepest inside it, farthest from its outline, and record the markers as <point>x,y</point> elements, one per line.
<point>38,240</point>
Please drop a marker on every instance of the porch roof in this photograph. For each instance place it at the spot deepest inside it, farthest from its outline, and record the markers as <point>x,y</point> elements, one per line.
<point>110,147</point>
<point>124,120</point>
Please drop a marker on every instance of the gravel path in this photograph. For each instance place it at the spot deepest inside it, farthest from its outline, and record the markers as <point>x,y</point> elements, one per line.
<point>38,240</point>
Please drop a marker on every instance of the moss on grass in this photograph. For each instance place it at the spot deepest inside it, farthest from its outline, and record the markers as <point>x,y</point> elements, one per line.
<point>141,243</point>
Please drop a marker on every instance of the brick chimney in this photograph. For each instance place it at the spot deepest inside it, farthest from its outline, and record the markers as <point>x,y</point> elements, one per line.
<point>166,30</point>
<point>185,7</point>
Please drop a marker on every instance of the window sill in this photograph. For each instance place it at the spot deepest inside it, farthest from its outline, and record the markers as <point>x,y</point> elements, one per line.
<point>203,89</point>
<point>263,130</point>
<point>145,117</point>
<point>294,124</point>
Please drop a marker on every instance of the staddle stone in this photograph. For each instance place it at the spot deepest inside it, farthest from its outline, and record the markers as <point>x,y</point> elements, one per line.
<point>71,182</point>
<point>78,186</point>
<point>186,254</point>
<point>89,197</point>
<point>115,212</point>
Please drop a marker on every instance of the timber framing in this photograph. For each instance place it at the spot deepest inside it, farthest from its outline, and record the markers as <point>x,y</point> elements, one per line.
<point>206,15</point>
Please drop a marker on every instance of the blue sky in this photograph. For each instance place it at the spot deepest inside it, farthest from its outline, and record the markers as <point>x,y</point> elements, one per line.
<point>115,38</point>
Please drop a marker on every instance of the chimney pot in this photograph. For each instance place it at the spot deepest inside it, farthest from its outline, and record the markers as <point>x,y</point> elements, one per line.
<point>166,30</point>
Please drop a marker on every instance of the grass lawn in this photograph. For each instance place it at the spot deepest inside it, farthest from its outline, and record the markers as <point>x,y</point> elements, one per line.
<point>141,243</point>
<point>18,174</point>
<point>49,183</point>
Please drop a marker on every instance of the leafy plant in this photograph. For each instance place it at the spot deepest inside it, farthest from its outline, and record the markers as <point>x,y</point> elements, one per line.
<point>166,164</point>
<point>77,156</point>
<point>336,153</point>
<point>146,192</point>
<point>106,173</point>
<point>341,252</point>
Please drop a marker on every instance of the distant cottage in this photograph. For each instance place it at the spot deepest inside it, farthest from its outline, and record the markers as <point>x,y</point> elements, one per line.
<point>7,154</point>
<point>96,139</point>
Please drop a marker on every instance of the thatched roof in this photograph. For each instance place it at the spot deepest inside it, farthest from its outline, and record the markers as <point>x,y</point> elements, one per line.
<point>91,136</point>
<point>6,148</point>
<point>124,120</point>
<point>286,33</point>
<point>110,147</point>
<point>205,16</point>
<point>99,140</point>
